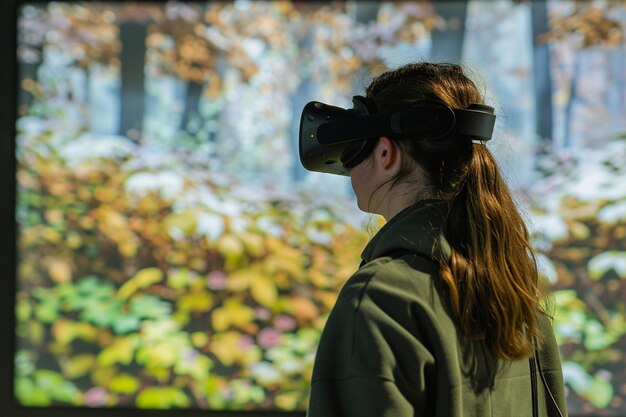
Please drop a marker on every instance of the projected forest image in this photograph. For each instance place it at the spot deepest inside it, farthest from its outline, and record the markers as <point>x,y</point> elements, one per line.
<point>173,253</point>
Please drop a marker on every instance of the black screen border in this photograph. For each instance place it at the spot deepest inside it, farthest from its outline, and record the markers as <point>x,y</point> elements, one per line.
<point>8,262</point>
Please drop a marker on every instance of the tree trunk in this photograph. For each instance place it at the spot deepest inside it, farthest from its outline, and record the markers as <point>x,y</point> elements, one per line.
<point>298,100</point>
<point>192,104</point>
<point>541,73</point>
<point>616,99</point>
<point>366,11</point>
<point>573,96</point>
<point>133,39</point>
<point>447,44</point>
<point>26,71</point>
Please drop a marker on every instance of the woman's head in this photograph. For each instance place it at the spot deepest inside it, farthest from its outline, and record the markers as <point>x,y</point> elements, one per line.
<point>441,162</point>
<point>491,275</point>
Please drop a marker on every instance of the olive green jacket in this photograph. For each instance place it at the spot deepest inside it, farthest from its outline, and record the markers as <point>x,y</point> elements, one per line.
<point>390,347</point>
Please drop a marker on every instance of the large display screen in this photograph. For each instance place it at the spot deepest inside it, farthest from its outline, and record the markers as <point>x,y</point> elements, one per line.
<point>173,254</point>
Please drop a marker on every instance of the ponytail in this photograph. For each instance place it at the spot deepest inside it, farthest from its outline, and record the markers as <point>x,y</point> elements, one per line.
<point>492,278</point>
<point>492,274</point>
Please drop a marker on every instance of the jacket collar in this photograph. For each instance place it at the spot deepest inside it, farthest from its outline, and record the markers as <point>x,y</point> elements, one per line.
<point>416,229</point>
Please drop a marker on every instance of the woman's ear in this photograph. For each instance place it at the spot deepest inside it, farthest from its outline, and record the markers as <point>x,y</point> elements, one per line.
<point>386,154</point>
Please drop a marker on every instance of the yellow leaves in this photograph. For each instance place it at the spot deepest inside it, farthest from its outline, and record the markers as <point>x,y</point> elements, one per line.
<point>275,245</point>
<point>283,258</point>
<point>579,230</point>
<point>232,249</point>
<point>304,309</point>
<point>180,278</point>
<point>162,398</point>
<point>233,313</point>
<point>78,366</point>
<point>124,384</point>
<point>160,354</point>
<point>180,223</point>
<point>65,331</point>
<point>263,290</point>
<point>114,225</point>
<point>112,220</point>
<point>73,240</point>
<point>254,243</point>
<point>87,222</point>
<point>59,188</point>
<point>23,308</point>
<point>106,194</point>
<point>328,298</point>
<point>142,279</point>
<point>51,235</point>
<point>229,349</point>
<point>197,301</point>
<point>102,375</point>
<point>120,351</point>
<point>240,280</point>
<point>199,339</point>
<point>54,216</point>
<point>225,347</point>
<point>262,287</point>
<point>60,270</point>
<point>195,365</point>
<point>320,279</point>
<point>159,373</point>
<point>213,86</point>
<point>288,400</point>
<point>276,263</point>
<point>35,332</point>
<point>159,348</point>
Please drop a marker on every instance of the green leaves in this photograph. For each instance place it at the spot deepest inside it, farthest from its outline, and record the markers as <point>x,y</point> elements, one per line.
<point>45,387</point>
<point>575,323</point>
<point>597,389</point>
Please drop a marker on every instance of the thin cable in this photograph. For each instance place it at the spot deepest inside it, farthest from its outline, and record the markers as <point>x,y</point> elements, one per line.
<point>545,384</point>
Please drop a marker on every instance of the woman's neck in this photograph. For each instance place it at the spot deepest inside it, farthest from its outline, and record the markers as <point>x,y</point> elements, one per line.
<point>401,196</point>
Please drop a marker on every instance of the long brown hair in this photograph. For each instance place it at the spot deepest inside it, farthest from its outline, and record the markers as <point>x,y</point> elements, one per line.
<point>492,277</point>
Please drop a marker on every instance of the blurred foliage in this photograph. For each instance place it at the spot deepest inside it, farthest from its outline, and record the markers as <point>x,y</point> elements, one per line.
<point>190,39</point>
<point>581,229</point>
<point>170,285</point>
<point>127,296</point>
<point>589,24</point>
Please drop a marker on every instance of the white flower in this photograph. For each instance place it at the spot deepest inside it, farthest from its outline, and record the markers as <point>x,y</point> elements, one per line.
<point>604,262</point>
<point>550,225</point>
<point>290,366</point>
<point>169,184</point>
<point>90,147</point>
<point>210,225</point>
<point>269,227</point>
<point>613,213</point>
<point>265,373</point>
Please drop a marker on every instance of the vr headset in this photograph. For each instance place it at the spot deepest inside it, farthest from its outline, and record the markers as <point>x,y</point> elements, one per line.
<point>333,140</point>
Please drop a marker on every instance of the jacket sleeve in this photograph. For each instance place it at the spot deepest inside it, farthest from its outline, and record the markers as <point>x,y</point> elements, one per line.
<point>358,397</point>
<point>551,368</point>
<point>372,360</point>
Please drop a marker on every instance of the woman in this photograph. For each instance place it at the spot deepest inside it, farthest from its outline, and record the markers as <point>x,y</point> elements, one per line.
<point>444,316</point>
